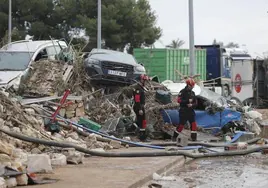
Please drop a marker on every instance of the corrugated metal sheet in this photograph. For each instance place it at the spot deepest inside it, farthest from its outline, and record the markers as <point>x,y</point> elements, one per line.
<point>164,62</point>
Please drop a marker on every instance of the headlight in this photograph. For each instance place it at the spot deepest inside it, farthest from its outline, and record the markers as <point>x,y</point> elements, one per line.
<point>94,61</point>
<point>140,69</point>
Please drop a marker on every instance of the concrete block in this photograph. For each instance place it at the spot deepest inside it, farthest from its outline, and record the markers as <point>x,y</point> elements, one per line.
<point>73,157</point>
<point>22,180</point>
<point>58,159</point>
<point>3,183</point>
<point>39,163</point>
<point>182,140</point>
<point>11,182</point>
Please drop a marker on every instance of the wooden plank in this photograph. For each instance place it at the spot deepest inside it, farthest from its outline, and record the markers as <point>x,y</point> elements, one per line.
<point>44,99</point>
<point>67,74</point>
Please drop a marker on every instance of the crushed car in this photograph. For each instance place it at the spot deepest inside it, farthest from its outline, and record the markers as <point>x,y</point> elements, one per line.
<point>212,112</point>
<point>16,58</point>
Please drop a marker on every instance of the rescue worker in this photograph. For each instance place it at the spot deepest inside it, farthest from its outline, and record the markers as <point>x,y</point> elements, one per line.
<point>188,102</point>
<point>139,102</point>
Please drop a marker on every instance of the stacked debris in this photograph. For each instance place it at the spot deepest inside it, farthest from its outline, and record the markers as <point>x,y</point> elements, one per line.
<point>29,121</point>
<point>46,78</point>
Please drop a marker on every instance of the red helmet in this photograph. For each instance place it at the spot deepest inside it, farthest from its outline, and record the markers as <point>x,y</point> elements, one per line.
<point>190,82</point>
<point>144,77</point>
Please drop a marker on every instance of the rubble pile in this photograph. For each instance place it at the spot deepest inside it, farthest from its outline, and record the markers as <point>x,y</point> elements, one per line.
<point>46,78</point>
<point>27,120</point>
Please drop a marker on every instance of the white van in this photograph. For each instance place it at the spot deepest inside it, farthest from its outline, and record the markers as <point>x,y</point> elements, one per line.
<point>16,58</point>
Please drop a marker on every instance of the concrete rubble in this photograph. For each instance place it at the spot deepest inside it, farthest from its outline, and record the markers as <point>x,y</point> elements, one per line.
<point>30,119</point>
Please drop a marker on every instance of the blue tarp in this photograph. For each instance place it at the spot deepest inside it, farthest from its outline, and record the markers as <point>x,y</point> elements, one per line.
<point>204,119</point>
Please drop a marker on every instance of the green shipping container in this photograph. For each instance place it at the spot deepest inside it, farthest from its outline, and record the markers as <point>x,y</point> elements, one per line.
<point>164,62</point>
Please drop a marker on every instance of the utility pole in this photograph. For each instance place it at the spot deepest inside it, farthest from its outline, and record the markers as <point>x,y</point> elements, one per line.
<point>191,38</point>
<point>99,25</point>
<point>9,22</point>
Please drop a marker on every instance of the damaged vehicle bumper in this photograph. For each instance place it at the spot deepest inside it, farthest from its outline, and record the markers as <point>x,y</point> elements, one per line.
<point>111,74</point>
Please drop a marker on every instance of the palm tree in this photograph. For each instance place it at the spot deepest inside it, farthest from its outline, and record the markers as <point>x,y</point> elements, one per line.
<point>232,45</point>
<point>229,45</point>
<point>176,44</point>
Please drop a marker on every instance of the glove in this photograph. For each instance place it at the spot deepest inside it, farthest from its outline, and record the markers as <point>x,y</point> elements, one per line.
<point>189,105</point>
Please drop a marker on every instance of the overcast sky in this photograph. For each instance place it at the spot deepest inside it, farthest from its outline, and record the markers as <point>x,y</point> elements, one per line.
<point>241,21</point>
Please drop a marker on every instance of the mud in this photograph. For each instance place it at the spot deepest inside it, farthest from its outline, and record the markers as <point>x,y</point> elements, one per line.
<point>247,172</point>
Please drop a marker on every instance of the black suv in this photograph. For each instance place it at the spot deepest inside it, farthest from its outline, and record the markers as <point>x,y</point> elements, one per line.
<point>112,67</point>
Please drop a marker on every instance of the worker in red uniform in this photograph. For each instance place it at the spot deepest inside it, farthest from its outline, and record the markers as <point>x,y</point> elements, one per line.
<point>188,102</point>
<point>139,102</point>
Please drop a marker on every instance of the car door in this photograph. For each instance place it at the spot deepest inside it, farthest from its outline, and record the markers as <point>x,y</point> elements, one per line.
<point>52,51</point>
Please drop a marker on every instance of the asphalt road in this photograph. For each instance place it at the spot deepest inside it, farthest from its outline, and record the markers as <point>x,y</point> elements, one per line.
<point>234,172</point>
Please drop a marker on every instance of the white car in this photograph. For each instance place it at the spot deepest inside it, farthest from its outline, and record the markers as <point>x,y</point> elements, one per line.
<point>16,58</point>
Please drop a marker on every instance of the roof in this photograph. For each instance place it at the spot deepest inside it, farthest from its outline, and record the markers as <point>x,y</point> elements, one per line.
<point>31,46</point>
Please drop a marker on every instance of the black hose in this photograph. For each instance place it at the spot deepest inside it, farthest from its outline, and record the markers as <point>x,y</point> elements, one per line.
<point>205,144</point>
<point>131,154</point>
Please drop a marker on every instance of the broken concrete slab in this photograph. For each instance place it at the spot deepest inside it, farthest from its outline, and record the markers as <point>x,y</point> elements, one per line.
<point>22,180</point>
<point>73,157</point>
<point>6,148</point>
<point>58,159</point>
<point>39,163</point>
<point>4,158</point>
<point>115,144</point>
<point>3,183</point>
<point>73,135</point>
<point>36,151</point>
<point>11,182</point>
<point>80,112</point>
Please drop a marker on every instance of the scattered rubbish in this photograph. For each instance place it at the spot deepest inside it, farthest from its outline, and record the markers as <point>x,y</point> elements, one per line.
<point>157,177</point>
<point>237,146</point>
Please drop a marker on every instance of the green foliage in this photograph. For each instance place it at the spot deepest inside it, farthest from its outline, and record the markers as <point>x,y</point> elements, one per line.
<point>176,44</point>
<point>229,45</point>
<point>123,21</point>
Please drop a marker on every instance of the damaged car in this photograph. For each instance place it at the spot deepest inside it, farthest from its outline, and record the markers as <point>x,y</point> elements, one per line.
<point>212,112</point>
<point>112,67</point>
<point>16,59</point>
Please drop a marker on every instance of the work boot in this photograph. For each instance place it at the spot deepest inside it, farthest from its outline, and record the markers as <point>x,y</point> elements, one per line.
<point>194,136</point>
<point>175,135</point>
<point>143,135</point>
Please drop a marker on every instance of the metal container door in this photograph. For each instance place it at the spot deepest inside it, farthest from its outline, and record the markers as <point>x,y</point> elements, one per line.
<point>242,79</point>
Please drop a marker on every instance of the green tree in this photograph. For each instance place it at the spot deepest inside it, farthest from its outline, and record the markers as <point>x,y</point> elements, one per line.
<point>232,45</point>
<point>215,42</point>
<point>123,21</point>
<point>229,45</point>
<point>176,44</point>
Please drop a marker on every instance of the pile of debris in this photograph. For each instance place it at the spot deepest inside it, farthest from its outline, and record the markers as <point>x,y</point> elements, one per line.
<point>29,120</point>
<point>46,78</point>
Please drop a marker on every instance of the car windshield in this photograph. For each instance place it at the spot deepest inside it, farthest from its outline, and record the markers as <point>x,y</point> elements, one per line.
<point>213,97</point>
<point>115,56</point>
<point>14,61</point>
